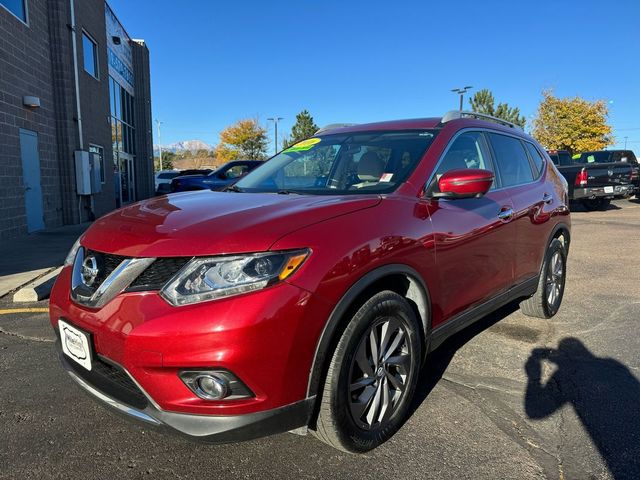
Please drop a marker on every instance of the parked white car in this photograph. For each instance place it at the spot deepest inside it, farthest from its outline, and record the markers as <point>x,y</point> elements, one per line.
<point>165,177</point>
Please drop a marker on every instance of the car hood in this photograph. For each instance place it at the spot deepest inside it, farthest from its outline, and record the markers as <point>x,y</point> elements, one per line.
<point>213,223</point>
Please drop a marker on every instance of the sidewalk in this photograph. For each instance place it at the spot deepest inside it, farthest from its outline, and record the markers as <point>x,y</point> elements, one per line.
<point>23,259</point>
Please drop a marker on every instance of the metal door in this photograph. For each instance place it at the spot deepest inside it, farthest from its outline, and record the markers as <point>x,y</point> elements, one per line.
<point>31,180</point>
<point>127,179</point>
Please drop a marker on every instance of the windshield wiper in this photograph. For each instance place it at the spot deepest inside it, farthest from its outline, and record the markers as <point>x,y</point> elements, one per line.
<point>286,192</point>
<point>233,188</point>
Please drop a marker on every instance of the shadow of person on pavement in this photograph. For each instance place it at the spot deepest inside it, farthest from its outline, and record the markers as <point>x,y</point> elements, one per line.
<point>604,394</point>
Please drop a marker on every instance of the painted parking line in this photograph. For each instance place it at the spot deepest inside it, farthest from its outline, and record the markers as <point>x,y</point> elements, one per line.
<point>23,310</point>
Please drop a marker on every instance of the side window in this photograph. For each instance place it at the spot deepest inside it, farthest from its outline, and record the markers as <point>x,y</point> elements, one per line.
<point>538,161</point>
<point>236,171</point>
<point>90,53</point>
<point>565,159</point>
<point>466,151</point>
<point>511,160</point>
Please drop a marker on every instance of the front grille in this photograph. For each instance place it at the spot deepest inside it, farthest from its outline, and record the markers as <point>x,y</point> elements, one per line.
<point>107,263</point>
<point>152,278</point>
<point>158,273</point>
<point>112,381</point>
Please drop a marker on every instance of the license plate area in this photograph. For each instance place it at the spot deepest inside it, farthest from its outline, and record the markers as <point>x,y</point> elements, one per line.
<point>608,189</point>
<point>76,344</point>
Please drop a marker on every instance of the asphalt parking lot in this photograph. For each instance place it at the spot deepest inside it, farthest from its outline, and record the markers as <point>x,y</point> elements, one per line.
<point>511,397</point>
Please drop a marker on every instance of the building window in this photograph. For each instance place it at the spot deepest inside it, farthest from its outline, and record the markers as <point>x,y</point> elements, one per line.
<point>100,152</point>
<point>90,51</point>
<point>122,118</point>
<point>17,7</point>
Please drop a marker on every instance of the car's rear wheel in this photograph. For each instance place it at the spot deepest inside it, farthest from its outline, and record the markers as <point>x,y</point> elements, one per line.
<point>548,297</point>
<point>372,375</point>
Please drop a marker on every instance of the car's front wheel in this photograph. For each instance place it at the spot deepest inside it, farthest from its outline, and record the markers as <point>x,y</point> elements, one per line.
<point>372,375</point>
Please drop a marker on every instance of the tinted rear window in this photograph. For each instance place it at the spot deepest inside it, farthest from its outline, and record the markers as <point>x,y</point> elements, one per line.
<point>595,157</point>
<point>511,159</point>
<point>624,156</point>
<point>538,161</point>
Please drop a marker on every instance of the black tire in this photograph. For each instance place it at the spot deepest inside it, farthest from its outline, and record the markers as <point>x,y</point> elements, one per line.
<point>543,304</point>
<point>338,424</point>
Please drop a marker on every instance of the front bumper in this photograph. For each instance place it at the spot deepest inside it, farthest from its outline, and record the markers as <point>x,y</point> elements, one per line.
<point>599,192</point>
<point>266,339</point>
<point>206,428</point>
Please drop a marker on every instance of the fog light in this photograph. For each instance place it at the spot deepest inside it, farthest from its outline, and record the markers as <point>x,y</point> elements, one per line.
<point>213,388</point>
<point>215,384</point>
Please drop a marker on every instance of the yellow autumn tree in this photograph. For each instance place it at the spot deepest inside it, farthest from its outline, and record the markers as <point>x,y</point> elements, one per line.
<point>244,140</point>
<point>573,124</point>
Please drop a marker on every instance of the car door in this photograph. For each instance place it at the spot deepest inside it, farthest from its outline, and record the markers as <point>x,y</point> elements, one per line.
<point>474,237</point>
<point>521,170</point>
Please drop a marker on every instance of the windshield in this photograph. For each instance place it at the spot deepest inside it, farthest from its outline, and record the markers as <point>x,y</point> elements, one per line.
<point>361,162</point>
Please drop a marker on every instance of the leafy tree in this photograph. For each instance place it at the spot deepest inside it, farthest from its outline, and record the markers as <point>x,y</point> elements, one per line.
<point>573,124</point>
<point>245,139</point>
<point>167,160</point>
<point>483,102</point>
<point>304,127</point>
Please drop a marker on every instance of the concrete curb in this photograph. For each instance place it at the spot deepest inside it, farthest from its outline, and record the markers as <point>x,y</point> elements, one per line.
<point>38,289</point>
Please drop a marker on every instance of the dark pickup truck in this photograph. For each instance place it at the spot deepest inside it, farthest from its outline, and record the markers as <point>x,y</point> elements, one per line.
<point>592,183</point>
<point>610,157</point>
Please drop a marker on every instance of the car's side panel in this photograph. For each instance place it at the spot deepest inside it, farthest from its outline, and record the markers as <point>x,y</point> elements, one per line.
<point>537,207</point>
<point>474,250</point>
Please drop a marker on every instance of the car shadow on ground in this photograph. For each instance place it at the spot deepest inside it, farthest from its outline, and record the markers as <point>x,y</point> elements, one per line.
<point>603,392</point>
<point>577,207</point>
<point>438,360</point>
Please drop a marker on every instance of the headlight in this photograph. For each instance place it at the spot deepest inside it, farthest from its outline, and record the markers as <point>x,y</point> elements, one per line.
<point>71,256</point>
<point>205,279</point>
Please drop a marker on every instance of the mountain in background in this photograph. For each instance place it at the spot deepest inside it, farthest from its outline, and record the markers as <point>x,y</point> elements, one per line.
<point>187,146</point>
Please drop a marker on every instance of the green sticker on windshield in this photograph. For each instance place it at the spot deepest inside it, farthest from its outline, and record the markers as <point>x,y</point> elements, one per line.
<point>303,145</point>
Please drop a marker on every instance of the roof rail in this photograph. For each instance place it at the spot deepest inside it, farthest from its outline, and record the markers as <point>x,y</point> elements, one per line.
<point>456,114</point>
<point>334,126</point>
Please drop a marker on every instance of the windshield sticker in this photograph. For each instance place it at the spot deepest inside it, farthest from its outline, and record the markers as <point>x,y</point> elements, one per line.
<point>303,145</point>
<point>386,177</point>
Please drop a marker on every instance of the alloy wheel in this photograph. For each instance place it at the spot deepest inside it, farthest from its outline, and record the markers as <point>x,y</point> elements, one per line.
<point>379,373</point>
<point>555,280</point>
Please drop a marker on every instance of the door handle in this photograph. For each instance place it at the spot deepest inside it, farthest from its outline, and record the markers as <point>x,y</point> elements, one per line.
<point>546,198</point>
<point>506,214</point>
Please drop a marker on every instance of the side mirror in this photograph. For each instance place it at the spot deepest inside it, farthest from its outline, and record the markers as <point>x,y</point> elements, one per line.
<point>222,176</point>
<point>464,183</point>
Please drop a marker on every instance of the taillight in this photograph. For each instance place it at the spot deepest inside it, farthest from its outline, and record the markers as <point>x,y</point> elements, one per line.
<point>634,173</point>
<point>581,178</point>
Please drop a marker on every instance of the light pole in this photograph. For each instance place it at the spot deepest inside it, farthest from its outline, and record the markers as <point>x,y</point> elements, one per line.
<point>625,142</point>
<point>158,123</point>
<point>275,121</point>
<point>461,92</point>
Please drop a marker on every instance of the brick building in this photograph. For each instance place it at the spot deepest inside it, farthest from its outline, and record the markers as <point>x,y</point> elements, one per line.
<point>52,109</point>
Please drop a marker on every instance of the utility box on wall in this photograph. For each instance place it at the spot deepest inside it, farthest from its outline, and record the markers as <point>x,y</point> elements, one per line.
<point>87,173</point>
<point>83,172</point>
<point>96,182</point>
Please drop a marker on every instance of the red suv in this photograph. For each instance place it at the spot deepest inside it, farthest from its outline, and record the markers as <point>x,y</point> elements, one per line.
<point>310,293</point>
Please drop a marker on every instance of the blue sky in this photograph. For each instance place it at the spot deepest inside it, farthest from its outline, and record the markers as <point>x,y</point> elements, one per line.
<point>213,63</point>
